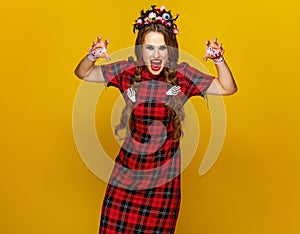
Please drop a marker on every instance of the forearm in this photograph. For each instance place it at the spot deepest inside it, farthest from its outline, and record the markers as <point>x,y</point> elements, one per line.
<point>226,79</point>
<point>84,68</point>
<point>224,84</point>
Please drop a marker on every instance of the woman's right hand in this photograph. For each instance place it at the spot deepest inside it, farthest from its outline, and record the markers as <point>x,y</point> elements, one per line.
<point>99,50</point>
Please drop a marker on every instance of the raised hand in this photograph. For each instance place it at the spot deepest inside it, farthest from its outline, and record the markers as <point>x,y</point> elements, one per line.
<point>214,51</point>
<point>99,50</point>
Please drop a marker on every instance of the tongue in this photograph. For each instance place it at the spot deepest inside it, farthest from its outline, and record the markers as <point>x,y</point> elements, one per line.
<point>155,67</point>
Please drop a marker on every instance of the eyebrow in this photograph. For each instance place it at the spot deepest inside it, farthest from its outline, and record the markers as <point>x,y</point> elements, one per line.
<point>154,45</point>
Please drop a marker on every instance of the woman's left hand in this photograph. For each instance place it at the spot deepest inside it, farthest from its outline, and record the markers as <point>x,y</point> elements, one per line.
<point>214,51</point>
<point>99,49</point>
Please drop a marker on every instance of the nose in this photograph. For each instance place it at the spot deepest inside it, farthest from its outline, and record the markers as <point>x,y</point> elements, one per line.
<point>156,53</point>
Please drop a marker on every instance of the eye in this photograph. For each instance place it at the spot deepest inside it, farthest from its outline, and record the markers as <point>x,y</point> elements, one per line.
<point>152,16</point>
<point>166,16</point>
<point>162,48</point>
<point>149,47</point>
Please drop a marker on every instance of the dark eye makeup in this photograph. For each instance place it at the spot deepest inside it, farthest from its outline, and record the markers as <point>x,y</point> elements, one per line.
<point>151,47</point>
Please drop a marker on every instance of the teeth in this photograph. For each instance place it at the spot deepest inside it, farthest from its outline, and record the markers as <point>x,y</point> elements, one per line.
<point>156,61</point>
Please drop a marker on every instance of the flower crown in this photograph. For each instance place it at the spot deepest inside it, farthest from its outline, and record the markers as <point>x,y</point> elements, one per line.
<point>158,16</point>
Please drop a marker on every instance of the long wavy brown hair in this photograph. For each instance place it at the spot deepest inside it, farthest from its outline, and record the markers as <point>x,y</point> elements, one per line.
<point>175,105</point>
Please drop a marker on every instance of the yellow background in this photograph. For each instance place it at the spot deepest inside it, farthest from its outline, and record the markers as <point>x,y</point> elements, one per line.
<point>254,186</point>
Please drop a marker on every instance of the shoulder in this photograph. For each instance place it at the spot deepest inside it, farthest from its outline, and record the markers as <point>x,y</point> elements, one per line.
<point>121,64</point>
<point>183,68</point>
<point>118,67</point>
<point>183,65</point>
<point>189,71</point>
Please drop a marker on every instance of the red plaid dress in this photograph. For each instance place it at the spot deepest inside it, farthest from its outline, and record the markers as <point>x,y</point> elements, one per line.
<point>143,194</point>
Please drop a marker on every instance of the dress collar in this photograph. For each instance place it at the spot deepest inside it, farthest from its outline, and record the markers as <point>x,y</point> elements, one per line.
<point>147,75</point>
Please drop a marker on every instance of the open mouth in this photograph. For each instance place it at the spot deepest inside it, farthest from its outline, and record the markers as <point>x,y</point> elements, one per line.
<point>156,64</point>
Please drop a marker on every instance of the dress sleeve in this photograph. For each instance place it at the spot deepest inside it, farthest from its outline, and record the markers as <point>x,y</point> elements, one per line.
<point>113,74</point>
<point>194,82</point>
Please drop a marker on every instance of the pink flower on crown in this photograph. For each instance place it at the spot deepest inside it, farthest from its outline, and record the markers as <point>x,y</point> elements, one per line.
<point>168,24</point>
<point>175,31</point>
<point>159,19</point>
<point>162,8</point>
<point>139,21</point>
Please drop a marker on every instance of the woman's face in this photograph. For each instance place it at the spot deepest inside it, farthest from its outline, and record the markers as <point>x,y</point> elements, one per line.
<point>155,52</point>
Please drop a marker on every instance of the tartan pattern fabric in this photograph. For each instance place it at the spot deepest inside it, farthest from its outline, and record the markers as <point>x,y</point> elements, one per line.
<point>192,81</point>
<point>141,211</point>
<point>143,194</point>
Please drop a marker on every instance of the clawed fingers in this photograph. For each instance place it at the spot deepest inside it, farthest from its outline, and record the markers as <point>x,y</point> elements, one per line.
<point>99,49</point>
<point>214,44</point>
<point>99,43</point>
<point>206,56</point>
<point>214,49</point>
<point>106,56</point>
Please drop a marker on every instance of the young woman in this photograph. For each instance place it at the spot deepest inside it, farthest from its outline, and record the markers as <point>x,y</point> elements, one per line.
<point>143,194</point>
